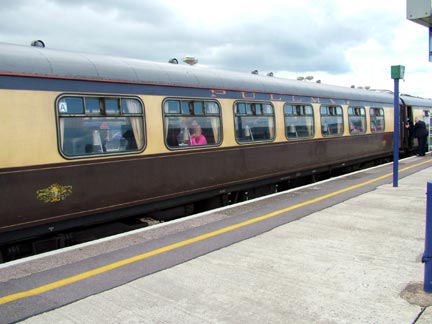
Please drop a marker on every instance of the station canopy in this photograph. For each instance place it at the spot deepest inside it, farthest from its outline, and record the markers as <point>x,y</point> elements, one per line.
<point>420,11</point>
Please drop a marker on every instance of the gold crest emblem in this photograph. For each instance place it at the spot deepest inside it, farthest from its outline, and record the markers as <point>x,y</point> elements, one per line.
<point>54,193</point>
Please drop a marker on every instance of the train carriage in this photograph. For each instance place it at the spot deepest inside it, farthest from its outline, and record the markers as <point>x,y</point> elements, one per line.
<point>91,138</point>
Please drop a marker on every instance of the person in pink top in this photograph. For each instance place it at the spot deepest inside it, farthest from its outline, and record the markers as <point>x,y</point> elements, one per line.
<point>196,137</point>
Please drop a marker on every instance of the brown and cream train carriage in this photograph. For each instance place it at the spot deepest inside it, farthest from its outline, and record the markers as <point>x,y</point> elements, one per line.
<point>90,138</point>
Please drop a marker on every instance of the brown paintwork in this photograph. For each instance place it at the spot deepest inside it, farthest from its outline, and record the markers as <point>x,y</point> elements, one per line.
<point>107,185</point>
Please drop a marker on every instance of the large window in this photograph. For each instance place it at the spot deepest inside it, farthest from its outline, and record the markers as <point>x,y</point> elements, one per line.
<point>190,123</point>
<point>377,120</point>
<point>357,120</point>
<point>254,122</point>
<point>331,120</point>
<point>94,125</point>
<point>299,121</point>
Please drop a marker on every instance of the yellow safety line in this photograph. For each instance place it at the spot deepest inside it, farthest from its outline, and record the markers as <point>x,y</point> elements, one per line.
<point>88,274</point>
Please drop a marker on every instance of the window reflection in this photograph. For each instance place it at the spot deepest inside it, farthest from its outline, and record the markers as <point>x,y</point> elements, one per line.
<point>331,120</point>
<point>377,120</point>
<point>191,123</point>
<point>254,122</point>
<point>100,125</point>
<point>357,120</point>
<point>299,121</point>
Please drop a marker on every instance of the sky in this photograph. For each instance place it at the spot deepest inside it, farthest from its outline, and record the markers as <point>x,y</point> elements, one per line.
<point>340,42</point>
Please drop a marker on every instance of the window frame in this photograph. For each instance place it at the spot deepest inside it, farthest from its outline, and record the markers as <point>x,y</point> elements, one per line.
<point>250,109</point>
<point>331,108</point>
<point>187,107</point>
<point>305,115</point>
<point>357,109</point>
<point>373,118</point>
<point>102,117</point>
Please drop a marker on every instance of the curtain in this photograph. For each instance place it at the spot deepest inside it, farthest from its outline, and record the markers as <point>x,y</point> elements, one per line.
<point>271,127</point>
<point>134,107</point>
<point>62,130</point>
<point>166,121</point>
<point>309,124</point>
<point>213,109</point>
<point>339,125</point>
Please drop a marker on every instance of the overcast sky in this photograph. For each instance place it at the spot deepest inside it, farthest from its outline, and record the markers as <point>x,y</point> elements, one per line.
<point>342,42</point>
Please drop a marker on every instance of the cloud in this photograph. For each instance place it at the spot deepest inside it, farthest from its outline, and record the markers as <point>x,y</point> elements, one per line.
<point>335,37</point>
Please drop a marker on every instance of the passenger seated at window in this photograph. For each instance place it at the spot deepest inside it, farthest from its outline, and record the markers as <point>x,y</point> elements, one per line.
<point>196,136</point>
<point>129,136</point>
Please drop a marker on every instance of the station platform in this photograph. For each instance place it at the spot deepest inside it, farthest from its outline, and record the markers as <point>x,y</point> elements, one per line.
<point>346,250</point>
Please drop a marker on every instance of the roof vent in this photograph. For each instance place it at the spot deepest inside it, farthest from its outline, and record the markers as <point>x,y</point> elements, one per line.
<point>190,60</point>
<point>38,43</point>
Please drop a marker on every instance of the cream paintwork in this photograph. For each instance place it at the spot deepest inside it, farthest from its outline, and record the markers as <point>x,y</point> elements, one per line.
<point>28,131</point>
<point>388,119</point>
<point>29,134</point>
<point>154,125</point>
<point>279,121</point>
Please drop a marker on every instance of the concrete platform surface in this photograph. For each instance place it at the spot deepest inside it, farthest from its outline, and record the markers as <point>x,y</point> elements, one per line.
<point>355,262</point>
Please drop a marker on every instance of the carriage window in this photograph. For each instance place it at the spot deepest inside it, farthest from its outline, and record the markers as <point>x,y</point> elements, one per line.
<point>357,120</point>
<point>331,120</point>
<point>299,121</point>
<point>94,126</point>
<point>254,122</point>
<point>377,120</point>
<point>191,123</point>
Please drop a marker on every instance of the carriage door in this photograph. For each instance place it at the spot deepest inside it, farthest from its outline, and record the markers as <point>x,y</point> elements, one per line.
<point>407,138</point>
<point>427,120</point>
